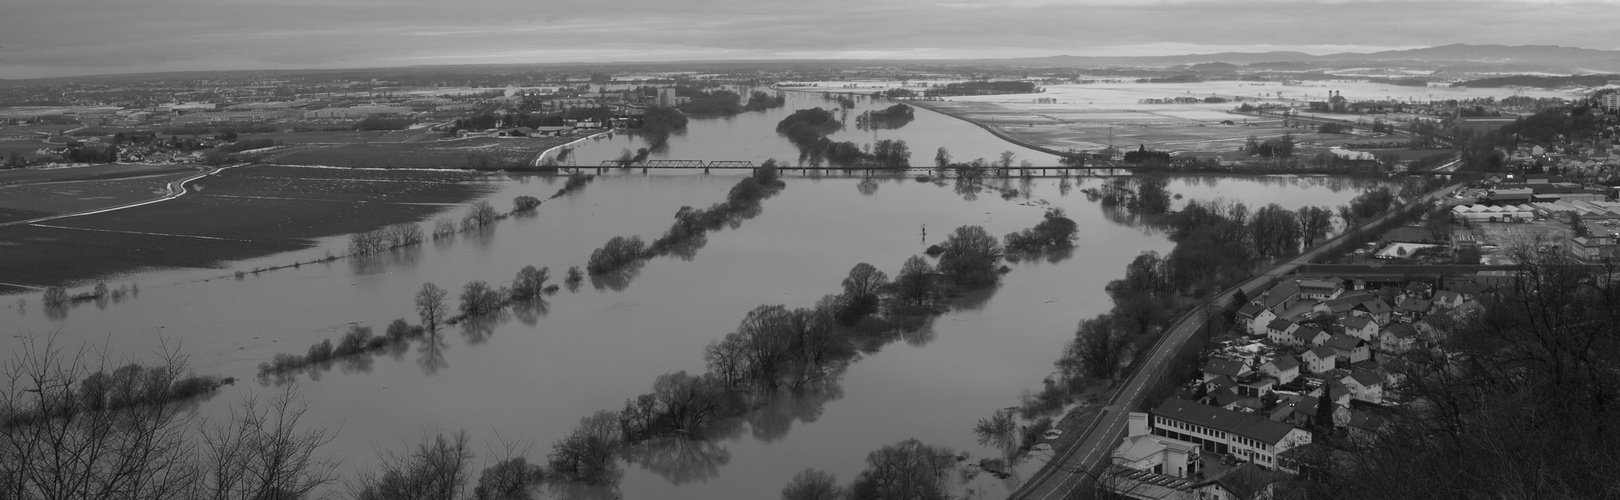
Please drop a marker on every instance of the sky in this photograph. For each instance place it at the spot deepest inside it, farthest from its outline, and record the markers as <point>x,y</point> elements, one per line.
<point>47,38</point>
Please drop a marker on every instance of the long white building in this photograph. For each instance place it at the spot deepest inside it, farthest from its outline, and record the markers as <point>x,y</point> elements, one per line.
<point>1246,436</point>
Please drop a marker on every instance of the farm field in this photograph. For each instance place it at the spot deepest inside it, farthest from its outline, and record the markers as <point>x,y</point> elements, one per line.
<point>465,153</point>
<point>323,137</point>
<point>23,147</point>
<point>27,201</point>
<point>1165,130</point>
<point>87,173</point>
<point>241,213</point>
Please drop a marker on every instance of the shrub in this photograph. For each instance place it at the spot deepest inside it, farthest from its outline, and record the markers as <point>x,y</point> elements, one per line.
<point>55,296</point>
<point>400,331</point>
<point>525,203</point>
<point>443,228</point>
<point>354,342</point>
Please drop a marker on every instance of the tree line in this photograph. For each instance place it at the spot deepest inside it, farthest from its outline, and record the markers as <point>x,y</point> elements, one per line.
<point>691,225</point>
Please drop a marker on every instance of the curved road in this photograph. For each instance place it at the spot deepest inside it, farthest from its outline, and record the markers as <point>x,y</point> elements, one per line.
<point>173,190</point>
<point>1073,464</point>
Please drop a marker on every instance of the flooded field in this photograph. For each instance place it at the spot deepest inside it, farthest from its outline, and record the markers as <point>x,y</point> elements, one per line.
<point>527,375</point>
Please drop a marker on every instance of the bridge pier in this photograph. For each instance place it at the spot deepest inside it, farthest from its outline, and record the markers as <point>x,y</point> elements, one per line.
<point>705,170</point>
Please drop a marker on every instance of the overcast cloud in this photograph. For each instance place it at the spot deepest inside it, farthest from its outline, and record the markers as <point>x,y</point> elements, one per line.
<point>70,37</point>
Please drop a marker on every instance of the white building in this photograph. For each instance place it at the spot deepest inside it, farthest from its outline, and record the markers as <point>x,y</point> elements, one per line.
<point>1247,437</point>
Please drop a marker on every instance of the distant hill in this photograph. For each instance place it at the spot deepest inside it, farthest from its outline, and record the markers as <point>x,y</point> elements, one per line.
<point>1551,58</point>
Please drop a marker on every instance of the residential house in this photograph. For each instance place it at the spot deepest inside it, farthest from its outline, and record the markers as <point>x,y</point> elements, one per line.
<point>1447,299</point>
<point>1300,410</point>
<point>1412,309</point>
<point>1284,368</point>
<point>1360,327</point>
<point>1365,385</point>
<point>1320,289</point>
<point>1340,394</point>
<point>1418,289</point>
<point>1376,308</point>
<point>1320,360</point>
<point>1398,338</point>
<point>1281,331</point>
<point>1217,367</point>
<point>1255,385</point>
<point>1254,318</point>
<point>1279,298</point>
<point>1248,437</point>
<point>1308,336</point>
<point>1349,349</point>
<point>1341,305</point>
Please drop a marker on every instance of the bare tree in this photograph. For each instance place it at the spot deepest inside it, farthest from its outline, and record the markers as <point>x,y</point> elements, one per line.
<point>72,430</point>
<point>259,452</point>
<point>813,484</point>
<point>908,469</point>
<point>430,306</point>
<point>435,470</point>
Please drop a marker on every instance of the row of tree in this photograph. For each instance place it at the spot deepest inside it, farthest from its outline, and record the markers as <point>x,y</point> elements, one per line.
<point>691,225</point>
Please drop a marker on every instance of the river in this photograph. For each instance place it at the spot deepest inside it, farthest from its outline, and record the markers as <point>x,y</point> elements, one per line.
<point>527,377</point>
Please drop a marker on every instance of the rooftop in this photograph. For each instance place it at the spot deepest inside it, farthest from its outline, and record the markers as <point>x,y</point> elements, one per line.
<point>1285,362</point>
<point>1228,367</point>
<point>1242,424</point>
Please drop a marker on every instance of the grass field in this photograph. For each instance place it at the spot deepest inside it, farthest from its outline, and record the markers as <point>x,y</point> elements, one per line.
<point>436,154</point>
<point>241,213</point>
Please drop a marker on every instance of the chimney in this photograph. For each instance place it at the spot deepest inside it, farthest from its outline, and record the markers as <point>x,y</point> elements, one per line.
<point>1138,424</point>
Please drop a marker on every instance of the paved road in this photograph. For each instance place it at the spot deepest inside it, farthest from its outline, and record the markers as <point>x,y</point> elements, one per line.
<point>1066,472</point>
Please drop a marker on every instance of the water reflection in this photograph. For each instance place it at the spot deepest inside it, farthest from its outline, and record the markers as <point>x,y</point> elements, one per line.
<point>680,460</point>
<point>619,279</point>
<point>478,328</point>
<point>378,263</point>
<point>867,186</point>
<point>570,490</point>
<point>774,416</point>
<point>530,311</point>
<point>432,353</point>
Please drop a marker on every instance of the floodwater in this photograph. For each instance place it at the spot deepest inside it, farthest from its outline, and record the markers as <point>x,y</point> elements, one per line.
<point>752,137</point>
<point>526,377</point>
